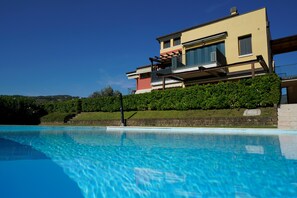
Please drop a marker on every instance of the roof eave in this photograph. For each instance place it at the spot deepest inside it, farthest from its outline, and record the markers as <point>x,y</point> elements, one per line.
<point>204,24</point>
<point>194,27</point>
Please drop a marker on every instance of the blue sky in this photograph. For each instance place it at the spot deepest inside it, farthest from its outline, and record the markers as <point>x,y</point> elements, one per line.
<point>75,47</point>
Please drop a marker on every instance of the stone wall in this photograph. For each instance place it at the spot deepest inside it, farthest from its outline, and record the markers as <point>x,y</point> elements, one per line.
<point>190,122</point>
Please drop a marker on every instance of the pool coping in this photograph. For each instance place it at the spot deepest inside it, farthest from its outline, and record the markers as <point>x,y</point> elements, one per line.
<point>173,130</point>
<point>203,130</point>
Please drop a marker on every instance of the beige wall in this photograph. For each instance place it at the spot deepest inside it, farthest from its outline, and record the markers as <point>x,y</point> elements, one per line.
<point>254,23</point>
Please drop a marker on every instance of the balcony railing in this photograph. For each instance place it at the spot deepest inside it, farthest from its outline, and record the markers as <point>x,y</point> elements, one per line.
<point>215,58</point>
<point>155,79</point>
<point>181,64</point>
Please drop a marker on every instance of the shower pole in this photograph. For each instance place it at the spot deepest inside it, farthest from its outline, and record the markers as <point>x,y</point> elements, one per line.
<point>123,123</point>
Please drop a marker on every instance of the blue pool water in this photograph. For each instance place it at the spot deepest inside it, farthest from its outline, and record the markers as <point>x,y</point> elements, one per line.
<point>94,162</point>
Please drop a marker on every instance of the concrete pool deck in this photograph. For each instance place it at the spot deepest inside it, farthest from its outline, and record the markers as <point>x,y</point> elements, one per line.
<point>202,130</point>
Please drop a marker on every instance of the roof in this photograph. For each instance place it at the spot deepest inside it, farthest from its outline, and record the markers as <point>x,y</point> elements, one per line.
<point>284,45</point>
<point>143,66</point>
<point>201,25</point>
<point>130,72</point>
<point>140,67</point>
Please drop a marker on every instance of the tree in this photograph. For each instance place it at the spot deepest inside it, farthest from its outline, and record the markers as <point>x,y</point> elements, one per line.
<point>107,91</point>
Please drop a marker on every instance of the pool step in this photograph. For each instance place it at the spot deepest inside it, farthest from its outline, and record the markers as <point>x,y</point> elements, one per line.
<point>287,116</point>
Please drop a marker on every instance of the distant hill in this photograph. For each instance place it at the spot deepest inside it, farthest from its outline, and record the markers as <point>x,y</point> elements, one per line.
<point>44,99</point>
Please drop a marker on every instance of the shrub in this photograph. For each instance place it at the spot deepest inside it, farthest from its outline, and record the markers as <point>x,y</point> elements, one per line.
<point>19,110</point>
<point>68,106</point>
<point>261,91</point>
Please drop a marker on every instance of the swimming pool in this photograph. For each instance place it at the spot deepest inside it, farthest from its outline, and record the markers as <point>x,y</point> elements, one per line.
<point>112,162</point>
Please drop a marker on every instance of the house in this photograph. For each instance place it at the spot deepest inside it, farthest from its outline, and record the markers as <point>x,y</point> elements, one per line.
<point>289,82</point>
<point>143,78</point>
<point>236,46</point>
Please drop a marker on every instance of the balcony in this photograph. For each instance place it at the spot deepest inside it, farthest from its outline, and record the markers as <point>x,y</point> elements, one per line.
<point>195,67</point>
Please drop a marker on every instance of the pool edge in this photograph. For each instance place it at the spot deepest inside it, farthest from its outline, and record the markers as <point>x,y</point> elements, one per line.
<point>203,130</point>
<point>135,129</point>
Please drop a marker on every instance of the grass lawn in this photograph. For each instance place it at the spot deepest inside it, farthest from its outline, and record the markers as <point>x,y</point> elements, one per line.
<point>90,116</point>
<point>56,117</point>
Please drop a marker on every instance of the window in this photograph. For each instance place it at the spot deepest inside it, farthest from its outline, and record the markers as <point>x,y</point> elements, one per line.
<point>166,44</point>
<point>176,41</point>
<point>145,75</point>
<point>202,55</point>
<point>245,45</point>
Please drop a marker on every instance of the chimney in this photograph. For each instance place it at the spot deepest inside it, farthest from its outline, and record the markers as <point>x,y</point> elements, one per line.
<point>233,11</point>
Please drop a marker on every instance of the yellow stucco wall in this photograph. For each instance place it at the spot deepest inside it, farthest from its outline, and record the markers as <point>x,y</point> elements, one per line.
<point>253,23</point>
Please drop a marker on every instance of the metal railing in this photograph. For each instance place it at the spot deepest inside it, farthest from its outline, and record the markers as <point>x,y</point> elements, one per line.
<point>156,78</point>
<point>181,62</point>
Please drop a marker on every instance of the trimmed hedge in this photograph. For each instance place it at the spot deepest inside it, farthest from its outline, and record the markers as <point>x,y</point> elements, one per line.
<point>68,106</point>
<point>105,103</point>
<point>19,110</point>
<point>261,91</point>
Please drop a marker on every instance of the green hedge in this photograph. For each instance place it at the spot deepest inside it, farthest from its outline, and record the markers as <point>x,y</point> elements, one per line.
<point>19,110</point>
<point>106,103</point>
<point>69,106</point>
<point>261,91</point>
